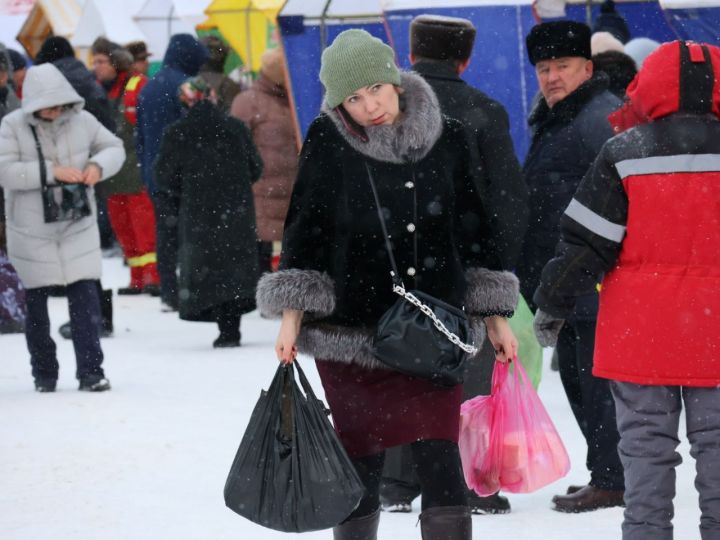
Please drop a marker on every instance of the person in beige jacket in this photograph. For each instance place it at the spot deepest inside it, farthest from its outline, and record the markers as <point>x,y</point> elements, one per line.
<point>76,149</point>
<point>265,109</point>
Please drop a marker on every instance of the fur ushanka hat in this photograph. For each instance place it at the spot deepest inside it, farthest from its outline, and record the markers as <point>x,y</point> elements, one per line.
<point>441,38</point>
<point>558,39</point>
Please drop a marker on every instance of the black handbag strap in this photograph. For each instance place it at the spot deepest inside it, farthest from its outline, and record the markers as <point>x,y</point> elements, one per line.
<point>41,158</point>
<point>388,246</point>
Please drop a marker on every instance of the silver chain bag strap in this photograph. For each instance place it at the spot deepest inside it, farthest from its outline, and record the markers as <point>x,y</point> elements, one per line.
<point>420,335</point>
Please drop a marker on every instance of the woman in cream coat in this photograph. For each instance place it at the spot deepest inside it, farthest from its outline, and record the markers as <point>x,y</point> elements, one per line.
<point>77,149</point>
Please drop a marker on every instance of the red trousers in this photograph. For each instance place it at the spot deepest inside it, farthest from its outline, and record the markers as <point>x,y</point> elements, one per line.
<point>133,219</point>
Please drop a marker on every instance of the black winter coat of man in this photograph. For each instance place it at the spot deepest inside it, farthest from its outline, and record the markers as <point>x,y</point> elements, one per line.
<point>566,140</point>
<point>205,169</point>
<point>497,171</point>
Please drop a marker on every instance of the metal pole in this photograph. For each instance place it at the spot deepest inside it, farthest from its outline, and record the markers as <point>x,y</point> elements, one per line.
<point>323,27</point>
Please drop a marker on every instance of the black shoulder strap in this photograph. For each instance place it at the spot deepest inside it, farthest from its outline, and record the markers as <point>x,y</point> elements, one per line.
<point>41,158</point>
<point>388,246</point>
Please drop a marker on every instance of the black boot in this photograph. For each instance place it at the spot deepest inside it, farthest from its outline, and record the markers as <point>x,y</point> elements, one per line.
<point>446,523</point>
<point>362,528</point>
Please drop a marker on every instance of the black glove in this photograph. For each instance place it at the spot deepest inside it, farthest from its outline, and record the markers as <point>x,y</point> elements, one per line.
<point>547,328</point>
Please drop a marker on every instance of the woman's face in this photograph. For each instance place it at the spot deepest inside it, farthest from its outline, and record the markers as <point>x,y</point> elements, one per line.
<point>374,105</point>
<point>51,114</point>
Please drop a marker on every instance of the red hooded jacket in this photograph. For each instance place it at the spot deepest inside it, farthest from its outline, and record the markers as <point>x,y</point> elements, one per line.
<point>648,216</point>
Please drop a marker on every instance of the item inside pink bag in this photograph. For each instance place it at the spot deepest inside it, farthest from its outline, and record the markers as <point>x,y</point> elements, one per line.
<point>507,440</point>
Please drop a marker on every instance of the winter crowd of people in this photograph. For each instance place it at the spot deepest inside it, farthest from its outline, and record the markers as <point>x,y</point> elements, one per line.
<point>609,230</point>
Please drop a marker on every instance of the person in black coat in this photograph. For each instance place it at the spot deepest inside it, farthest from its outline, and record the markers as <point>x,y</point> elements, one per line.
<point>569,128</point>
<point>381,127</point>
<point>440,49</point>
<point>204,171</point>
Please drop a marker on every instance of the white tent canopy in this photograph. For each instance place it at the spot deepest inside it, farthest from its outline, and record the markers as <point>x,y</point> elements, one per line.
<point>689,4</point>
<point>110,19</point>
<point>12,17</point>
<point>312,9</point>
<point>160,19</point>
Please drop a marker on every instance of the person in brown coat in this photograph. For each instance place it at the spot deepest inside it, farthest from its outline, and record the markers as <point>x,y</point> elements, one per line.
<point>265,109</point>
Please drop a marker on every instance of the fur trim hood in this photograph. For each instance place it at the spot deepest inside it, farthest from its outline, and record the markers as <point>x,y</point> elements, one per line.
<point>412,136</point>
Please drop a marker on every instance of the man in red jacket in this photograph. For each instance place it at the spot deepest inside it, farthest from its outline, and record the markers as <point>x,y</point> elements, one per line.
<point>647,215</point>
<point>131,212</point>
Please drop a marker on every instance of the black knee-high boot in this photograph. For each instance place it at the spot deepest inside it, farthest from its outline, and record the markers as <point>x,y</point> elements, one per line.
<point>446,523</point>
<point>362,528</point>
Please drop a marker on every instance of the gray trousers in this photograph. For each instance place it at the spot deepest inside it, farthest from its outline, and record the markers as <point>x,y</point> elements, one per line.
<point>648,421</point>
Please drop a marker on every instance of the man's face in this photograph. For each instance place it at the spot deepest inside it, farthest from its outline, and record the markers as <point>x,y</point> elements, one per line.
<point>141,66</point>
<point>3,78</point>
<point>560,77</point>
<point>104,71</point>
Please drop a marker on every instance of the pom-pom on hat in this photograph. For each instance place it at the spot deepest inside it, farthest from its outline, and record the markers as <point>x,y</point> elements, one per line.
<point>355,60</point>
<point>441,38</point>
<point>557,39</point>
<point>611,21</point>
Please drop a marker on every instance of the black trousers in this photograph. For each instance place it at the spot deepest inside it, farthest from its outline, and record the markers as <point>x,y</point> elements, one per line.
<point>400,484</point>
<point>437,466</point>
<point>591,402</point>
<point>84,307</point>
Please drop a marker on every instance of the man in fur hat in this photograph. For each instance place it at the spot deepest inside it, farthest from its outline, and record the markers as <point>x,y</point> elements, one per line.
<point>440,50</point>
<point>569,127</point>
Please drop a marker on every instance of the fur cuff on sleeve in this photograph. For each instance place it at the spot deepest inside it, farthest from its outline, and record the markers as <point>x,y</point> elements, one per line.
<point>306,290</point>
<point>491,292</point>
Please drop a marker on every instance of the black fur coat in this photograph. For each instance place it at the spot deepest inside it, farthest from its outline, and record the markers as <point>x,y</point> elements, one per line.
<point>334,264</point>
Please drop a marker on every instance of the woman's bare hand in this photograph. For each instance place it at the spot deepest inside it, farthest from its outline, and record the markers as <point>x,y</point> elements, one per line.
<point>502,338</point>
<point>69,175</point>
<point>286,344</point>
<point>91,174</point>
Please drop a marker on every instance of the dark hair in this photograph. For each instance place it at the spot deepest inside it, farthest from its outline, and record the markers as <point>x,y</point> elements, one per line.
<point>619,67</point>
<point>218,52</point>
<point>54,48</point>
<point>17,60</point>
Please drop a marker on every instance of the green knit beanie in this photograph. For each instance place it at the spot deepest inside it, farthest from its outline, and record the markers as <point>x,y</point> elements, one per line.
<point>355,60</point>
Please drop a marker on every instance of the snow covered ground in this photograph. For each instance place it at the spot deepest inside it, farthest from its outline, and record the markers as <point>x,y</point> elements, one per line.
<point>148,460</point>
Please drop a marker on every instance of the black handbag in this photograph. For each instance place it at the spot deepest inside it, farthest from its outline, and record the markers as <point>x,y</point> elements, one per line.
<point>61,202</point>
<point>420,335</point>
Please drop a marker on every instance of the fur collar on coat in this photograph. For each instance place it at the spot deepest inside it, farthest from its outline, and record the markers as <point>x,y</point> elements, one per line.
<point>409,139</point>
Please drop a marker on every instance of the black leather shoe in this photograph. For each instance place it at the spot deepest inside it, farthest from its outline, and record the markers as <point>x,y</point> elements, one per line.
<point>587,499</point>
<point>151,289</point>
<point>493,504</point>
<point>129,291</point>
<point>106,331</point>
<point>94,383</point>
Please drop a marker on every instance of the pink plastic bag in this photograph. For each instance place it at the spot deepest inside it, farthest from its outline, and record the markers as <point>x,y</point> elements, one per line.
<point>507,440</point>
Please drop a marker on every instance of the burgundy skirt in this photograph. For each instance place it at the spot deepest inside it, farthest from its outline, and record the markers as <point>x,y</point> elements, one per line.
<point>377,409</point>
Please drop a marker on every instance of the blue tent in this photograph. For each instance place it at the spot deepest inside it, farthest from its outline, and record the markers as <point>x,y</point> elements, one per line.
<point>499,64</point>
<point>698,20</point>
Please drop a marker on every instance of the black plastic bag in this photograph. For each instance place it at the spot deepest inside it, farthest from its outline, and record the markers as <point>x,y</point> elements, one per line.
<point>291,473</point>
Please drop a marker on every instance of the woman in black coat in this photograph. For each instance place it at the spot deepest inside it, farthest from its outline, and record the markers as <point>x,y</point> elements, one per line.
<point>204,172</point>
<point>334,281</point>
